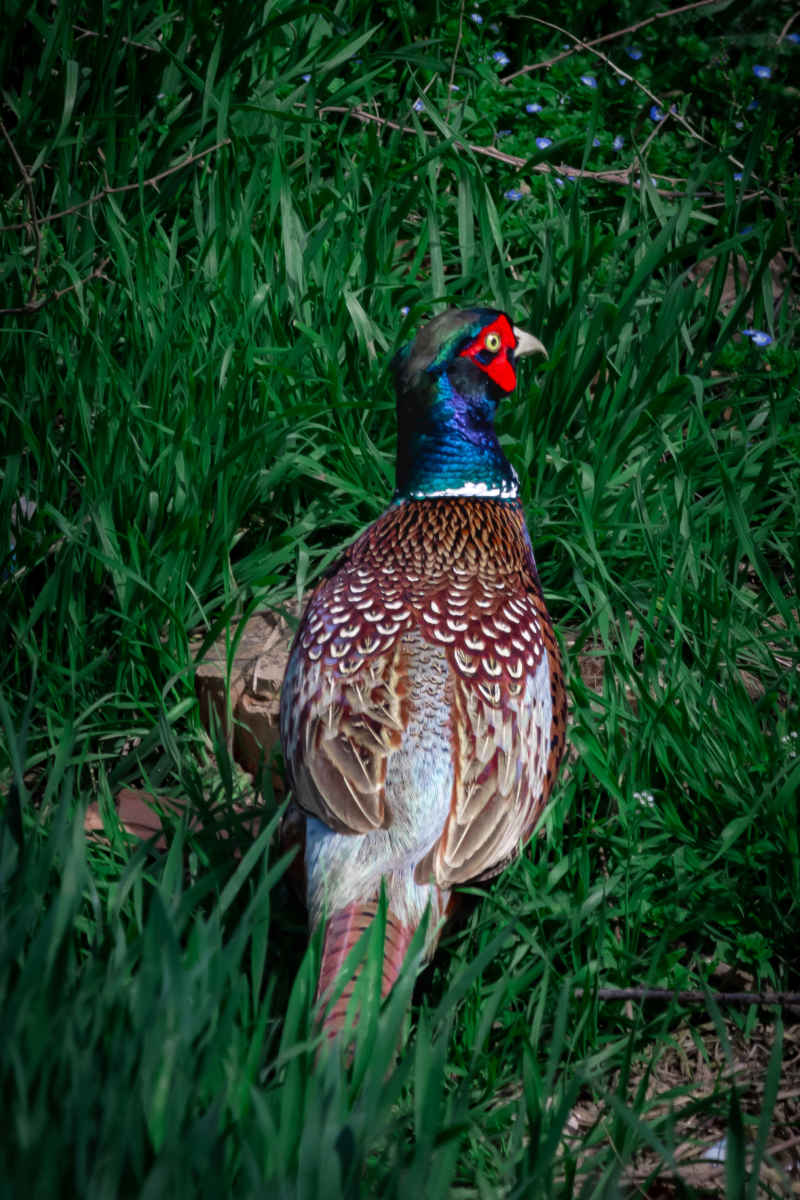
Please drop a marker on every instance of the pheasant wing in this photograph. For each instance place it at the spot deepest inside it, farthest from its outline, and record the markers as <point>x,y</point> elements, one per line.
<point>508,718</point>
<point>344,701</point>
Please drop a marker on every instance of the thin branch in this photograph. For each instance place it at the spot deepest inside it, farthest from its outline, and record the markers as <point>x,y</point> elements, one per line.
<point>27,183</point>
<point>84,33</point>
<point>125,187</point>
<point>33,306</point>
<point>723,203</point>
<point>654,132</point>
<point>790,21</point>
<point>406,129</point>
<point>631,79</point>
<point>785,999</point>
<point>622,177</point>
<point>607,37</point>
<point>455,58</point>
<point>780,1147</point>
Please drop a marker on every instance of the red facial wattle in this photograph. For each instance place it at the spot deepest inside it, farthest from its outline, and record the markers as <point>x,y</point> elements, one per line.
<point>494,362</point>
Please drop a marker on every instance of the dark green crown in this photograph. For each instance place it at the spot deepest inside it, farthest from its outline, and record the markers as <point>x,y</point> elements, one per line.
<point>438,342</point>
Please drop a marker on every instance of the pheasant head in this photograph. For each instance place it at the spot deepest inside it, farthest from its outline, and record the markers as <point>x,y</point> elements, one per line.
<point>450,380</point>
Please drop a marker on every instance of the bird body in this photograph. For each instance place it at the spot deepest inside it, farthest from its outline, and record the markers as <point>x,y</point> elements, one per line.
<point>423,710</point>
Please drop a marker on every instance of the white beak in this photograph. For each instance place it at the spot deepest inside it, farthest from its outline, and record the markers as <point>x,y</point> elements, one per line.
<point>527,343</point>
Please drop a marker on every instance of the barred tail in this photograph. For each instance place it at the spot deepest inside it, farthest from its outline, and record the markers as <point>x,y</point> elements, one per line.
<point>342,932</point>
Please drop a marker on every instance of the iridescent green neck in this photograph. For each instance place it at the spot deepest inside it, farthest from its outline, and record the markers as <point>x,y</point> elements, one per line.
<point>440,467</point>
<point>451,449</point>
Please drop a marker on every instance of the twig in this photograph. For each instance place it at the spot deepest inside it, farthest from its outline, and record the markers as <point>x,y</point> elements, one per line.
<point>791,20</point>
<point>621,177</point>
<point>84,33</point>
<point>27,183</point>
<point>34,305</point>
<point>425,91</point>
<point>789,1144</point>
<point>723,203</point>
<point>785,999</point>
<point>607,37</point>
<point>124,187</point>
<point>631,79</point>
<point>657,128</point>
<point>453,63</point>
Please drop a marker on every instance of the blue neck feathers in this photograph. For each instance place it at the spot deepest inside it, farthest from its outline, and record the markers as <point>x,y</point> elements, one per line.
<point>447,445</point>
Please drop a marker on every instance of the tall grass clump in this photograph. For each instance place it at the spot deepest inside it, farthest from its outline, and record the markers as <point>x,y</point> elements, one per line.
<point>217,226</point>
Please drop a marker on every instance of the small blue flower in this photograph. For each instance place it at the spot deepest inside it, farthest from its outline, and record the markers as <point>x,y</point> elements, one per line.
<point>738,124</point>
<point>501,57</point>
<point>494,28</point>
<point>758,337</point>
<point>559,182</point>
<point>633,52</point>
<point>656,114</point>
<point>793,37</point>
<point>306,78</point>
<point>504,132</point>
<point>737,175</point>
<point>618,142</point>
<point>596,141</point>
<point>752,105</point>
<point>405,310</point>
<point>589,80</point>
<point>746,229</point>
<point>762,72</point>
<point>621,80</point>
<point>544,142</point>
<point>454,87</point>
<point>513,194</point>
<point>477,18</point>
<point>534,108</point>
<point>419,106</point>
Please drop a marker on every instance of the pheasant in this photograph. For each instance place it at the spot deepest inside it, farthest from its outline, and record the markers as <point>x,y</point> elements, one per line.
<point>423,711</point>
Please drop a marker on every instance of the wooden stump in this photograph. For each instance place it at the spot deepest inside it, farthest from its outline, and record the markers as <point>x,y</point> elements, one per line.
<point>239,692</point>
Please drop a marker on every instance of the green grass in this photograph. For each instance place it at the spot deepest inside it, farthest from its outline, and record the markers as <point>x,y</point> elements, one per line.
<point>201,410</point>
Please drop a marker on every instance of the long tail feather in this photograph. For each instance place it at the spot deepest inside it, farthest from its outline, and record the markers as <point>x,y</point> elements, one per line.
<point>342,932</point>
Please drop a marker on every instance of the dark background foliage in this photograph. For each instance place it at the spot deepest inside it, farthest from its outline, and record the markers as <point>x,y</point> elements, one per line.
<point>207,261</point>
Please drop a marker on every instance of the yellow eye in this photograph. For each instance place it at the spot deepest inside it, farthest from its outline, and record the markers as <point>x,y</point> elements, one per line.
<point>493,342</point>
